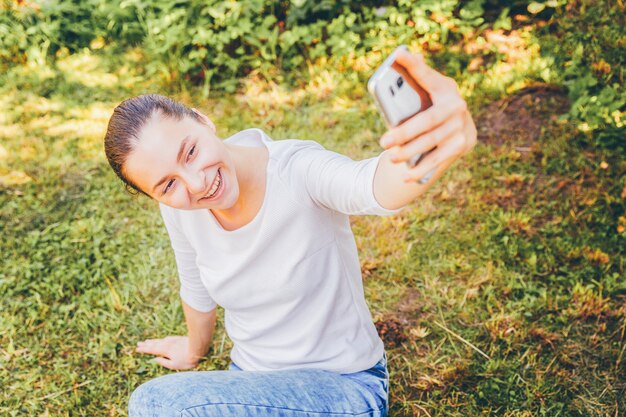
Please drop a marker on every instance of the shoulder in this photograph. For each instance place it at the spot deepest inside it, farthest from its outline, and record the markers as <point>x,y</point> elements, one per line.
<point>280,150</point>
<point>286,154</point>
<point>174,218</point>
<point>292,164</point>
<point>290,154</point>
<point>169,215</point>
<point>166,211</point>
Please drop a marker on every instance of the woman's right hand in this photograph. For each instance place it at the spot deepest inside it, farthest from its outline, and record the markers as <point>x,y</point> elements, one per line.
<point>172,352</point>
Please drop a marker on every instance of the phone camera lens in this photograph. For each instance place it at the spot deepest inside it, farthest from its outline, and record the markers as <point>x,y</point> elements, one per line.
<point>399,82</point>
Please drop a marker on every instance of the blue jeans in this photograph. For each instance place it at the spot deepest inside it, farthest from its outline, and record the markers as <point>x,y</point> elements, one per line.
<point>290,393</point>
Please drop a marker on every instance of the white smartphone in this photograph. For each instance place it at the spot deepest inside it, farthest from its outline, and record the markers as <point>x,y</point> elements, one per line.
<point>399,97</point>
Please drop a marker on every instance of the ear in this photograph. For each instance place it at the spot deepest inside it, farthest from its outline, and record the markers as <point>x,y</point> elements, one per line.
<point>205,119</point>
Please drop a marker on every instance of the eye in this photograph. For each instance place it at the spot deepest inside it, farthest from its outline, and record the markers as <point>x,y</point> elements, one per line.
<point>168,186</point>
<point>191,152</point>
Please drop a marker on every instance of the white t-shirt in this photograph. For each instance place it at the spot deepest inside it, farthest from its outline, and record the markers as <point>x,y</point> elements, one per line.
<point>290,280</point>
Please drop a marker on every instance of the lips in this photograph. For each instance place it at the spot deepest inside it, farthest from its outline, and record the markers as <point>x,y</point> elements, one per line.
<point>216,187</point>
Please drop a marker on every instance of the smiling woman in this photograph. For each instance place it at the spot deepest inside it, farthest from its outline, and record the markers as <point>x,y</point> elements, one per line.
<point>260,228</point>
<point>176,158</point>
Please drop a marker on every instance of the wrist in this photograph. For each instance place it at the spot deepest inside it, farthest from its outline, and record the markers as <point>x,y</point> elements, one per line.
<point>196,351</point>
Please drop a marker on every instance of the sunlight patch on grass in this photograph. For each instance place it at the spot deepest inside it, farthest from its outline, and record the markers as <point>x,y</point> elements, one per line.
<point>36,106</point>
<point>10,131</point>
<point>14,178</point>
<point>84,129</point>
<point>384,238</point>
<point>42,69</point>
<point>348,104</point>
<point>86,69</point>
<point>87,125</point>
<point>44,122</point>
<point>521,63</point>
<point>511,76</point>
<point>322,84</point>
<point>261,94</point>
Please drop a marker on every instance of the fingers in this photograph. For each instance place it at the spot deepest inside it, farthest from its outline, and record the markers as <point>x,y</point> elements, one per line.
<point>470,132</point>
<point>447,102</point>
<point>156,347</point>
<point>153,347</point>
<point>449,150</point>
<point>168,363</point>
<point>423,122</point>
<point>171,352</point>
<point>427,141</point>
<point>429,79</point>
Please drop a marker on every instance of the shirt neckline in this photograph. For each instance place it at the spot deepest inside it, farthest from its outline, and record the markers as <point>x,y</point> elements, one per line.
<point>241,137</point>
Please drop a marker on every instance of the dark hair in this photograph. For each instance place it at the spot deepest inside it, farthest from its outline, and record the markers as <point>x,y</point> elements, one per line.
<point>128,118</point>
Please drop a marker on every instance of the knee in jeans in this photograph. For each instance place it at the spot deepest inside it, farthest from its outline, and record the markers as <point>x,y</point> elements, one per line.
<point>151,400</point>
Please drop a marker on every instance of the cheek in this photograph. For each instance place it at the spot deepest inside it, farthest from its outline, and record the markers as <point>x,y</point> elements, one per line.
<point>234,188</point>
<point>177,198</point>
<point>213,153</point>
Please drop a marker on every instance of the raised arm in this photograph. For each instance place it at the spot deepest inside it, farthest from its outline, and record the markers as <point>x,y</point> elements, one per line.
<point>446,126</point>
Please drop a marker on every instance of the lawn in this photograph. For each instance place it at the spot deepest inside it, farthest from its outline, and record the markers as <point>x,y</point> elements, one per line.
<point>501,292</point>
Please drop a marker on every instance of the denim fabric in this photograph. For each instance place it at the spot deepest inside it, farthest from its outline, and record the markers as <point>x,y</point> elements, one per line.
<point>290,393</point>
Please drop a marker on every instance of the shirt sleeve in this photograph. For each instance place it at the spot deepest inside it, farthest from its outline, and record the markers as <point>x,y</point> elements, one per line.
<point>192,291</point>
<point>333,180</point>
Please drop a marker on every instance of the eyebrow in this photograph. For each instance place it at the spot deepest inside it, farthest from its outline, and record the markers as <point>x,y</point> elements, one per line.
<point>180,154</point>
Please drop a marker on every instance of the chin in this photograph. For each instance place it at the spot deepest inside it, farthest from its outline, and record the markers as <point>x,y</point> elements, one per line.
<point>225,202</point>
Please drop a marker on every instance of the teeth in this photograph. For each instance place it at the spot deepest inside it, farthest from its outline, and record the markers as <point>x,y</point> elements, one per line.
<point>216,185</point>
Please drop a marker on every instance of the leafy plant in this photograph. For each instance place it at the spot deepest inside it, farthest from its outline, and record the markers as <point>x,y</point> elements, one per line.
<point>588,42</point>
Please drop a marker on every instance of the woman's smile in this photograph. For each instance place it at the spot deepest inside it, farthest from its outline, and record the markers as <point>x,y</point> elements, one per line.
<point>183,164</point>
<point>216,189</point>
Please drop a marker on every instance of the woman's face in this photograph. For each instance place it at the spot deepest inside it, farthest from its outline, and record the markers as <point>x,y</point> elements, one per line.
<point>182,164</point>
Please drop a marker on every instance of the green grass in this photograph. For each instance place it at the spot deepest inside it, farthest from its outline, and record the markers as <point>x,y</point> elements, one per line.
<point>518,253</point>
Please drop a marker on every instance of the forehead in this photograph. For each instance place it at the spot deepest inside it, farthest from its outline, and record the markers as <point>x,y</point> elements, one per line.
<point>164,131</point>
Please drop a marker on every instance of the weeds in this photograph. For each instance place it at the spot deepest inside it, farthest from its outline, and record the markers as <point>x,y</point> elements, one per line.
<point>501,292</point>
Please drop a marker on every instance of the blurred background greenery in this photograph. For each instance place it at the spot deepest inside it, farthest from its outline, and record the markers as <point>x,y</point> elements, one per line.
<point>519,250</point>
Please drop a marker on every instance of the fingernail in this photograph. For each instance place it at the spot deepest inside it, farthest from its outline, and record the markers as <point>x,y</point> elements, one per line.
<point>385,141</point>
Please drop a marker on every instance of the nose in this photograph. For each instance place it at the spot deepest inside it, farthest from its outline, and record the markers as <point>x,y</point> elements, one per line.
<point>195,181</point>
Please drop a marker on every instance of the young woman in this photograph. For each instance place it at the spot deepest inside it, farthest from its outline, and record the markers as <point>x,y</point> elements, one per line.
<point>260,227</point>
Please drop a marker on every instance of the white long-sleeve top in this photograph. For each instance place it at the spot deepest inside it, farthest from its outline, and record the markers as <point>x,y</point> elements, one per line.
<point>290,280</point>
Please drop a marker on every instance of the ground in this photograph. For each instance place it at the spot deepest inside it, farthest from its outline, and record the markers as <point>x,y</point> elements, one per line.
<point>500,292</point>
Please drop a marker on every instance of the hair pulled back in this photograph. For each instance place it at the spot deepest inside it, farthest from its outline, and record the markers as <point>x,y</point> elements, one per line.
<point>128,118</point>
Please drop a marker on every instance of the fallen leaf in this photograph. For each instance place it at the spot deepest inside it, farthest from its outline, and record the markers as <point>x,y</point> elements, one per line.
<point>419,332</point>
<point>596,256</point>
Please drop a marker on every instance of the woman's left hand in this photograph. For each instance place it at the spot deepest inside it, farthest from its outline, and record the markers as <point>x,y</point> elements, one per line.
<point>446,127</point>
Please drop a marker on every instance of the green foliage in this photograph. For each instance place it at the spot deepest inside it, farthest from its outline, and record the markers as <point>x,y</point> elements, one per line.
<point>215,43</point>
<point>588,41</point>
<point>218,41</point>
<point>36,31</point>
